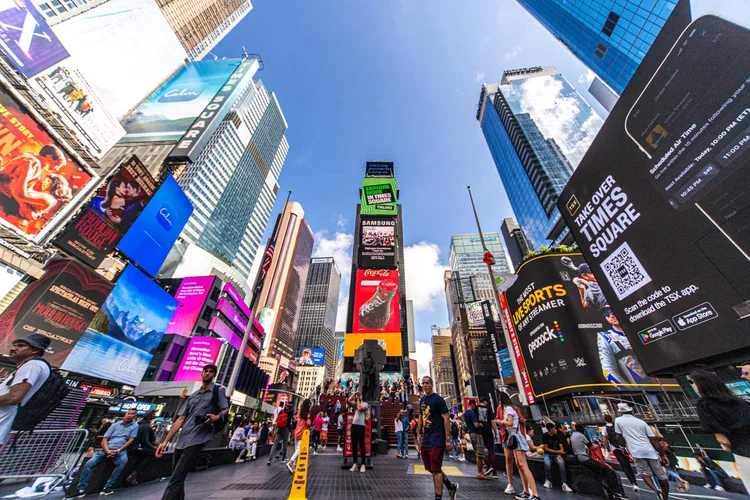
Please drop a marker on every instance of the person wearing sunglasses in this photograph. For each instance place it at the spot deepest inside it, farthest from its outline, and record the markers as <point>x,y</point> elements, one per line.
<point>745,373</point>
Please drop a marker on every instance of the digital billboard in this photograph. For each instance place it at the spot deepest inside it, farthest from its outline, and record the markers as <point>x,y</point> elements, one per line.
<point>169,111</point>
<point>118,342</point>
<point>234,339</point>
<point>375,169</point>
<point>377,246</point>
<point>312,356</point>
<point>659,205</point>
<point>59,305</point>
<point>118,203</point>
<point>237,299</point>
<point>76,103</point>
<point>26,38</point>
<point>379,197</point>
<point>376,301</point>
<point>37,178</point>
<point>475,316</point>
<point>191,295</point>
<point>153,234</point>
<point>201,351</point>
<point>229,312</point>
<point>568,336</point>
<point>391,342</point>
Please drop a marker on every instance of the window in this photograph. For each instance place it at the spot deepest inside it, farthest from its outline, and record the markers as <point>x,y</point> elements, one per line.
<point>610,23</point>
<point>600,51</point>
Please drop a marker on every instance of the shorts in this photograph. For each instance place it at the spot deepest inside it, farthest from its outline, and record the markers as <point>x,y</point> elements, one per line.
<point>341,430</point>
<point>477,442</point>
<point>522,444</point>
<point>432,458</point>
<point>649,466</point>
<point>324,436</point>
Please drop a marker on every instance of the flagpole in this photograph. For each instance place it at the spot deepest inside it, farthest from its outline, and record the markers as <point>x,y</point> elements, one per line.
<point>496,294</point>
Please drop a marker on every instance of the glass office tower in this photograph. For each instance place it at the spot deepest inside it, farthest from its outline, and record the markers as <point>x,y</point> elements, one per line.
<point>537,128</point>
<point>611,37</point>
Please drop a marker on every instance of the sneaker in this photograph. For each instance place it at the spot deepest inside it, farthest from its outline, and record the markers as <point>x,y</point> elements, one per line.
<point>290,467</point>
<point>548,485</point>
<point>462,458</point>
<point>636,488</point>
<point>269,462</point>
<point>106,492</point>
<point>719,488</point>
<point>76,494</point>
<point>686,485</point>
<point>452,492</point>
<point>532,497</point>
<point>363,468</point>
<point>489,471</point>
<point>522,496</point>
<point>510,490</point>
<point>707,486</point>
<point>339,448</point>
<point>354,468</point>
<point>284,460</point>
<point>315,452</point>
<point>566,488</point>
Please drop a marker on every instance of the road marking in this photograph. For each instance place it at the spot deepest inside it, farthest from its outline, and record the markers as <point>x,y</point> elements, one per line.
<point>449,470</point>
<point>299,483</point>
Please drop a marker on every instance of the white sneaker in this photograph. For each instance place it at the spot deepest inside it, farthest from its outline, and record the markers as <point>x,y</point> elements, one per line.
<point>707,486</point>
<point>338,448</point>
<point>636,488</point>
<point>510,490</point>
<point>566,488</point>
<point>363,468</point>
<point>719,488</point>
<point>315,452</point>
<point>548,485</point>
<point>354,468</point>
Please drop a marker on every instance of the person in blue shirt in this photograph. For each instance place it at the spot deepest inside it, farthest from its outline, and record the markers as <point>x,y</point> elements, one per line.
<point>474,428</point>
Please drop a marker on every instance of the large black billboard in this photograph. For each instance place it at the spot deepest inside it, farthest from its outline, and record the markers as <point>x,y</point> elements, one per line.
<point>566,335</point>
<point>660,204</point>
<point>377,245</point>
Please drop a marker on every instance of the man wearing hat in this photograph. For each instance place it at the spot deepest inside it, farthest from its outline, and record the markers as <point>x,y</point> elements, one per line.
<point>31,373</point>
<point>144,446</point>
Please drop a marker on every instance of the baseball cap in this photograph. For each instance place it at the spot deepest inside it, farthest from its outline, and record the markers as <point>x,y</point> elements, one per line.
<point>483,399</point>
<point>607,312</point>
<point>584,268</point>
<point>35,340</point>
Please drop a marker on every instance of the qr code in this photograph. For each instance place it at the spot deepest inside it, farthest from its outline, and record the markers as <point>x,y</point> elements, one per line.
<point>624,271</point>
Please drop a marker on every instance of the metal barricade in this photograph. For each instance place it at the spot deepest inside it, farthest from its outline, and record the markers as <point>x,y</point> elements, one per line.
<point>43,453</point>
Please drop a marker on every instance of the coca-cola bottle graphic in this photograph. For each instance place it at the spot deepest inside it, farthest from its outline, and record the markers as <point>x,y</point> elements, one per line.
<point>375,313</point>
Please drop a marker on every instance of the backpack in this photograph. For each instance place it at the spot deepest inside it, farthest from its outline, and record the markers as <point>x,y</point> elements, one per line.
<point>219,425</point>
<point>283,419</point>
<point>49,396</point>
<point>454,429</point>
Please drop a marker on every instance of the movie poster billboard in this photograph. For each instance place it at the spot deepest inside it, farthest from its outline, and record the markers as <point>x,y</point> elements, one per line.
<point>377,246</point>
<point>201,351</point>
<point>659,203</point>
<point>76,103</point>
<point>191,296</point>
<point>118,343</point>
<point>26,38</point>
<point>376,301</point>
<point>98,228</point>
<point>151,237</point>
<point>568,335</point>
<point>59,305</point>
<point>38,179</point>
<point>379,197</point>
<point>312,356</point>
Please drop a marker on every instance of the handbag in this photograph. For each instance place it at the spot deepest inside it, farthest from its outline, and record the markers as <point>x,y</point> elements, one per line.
<point>512,442</point>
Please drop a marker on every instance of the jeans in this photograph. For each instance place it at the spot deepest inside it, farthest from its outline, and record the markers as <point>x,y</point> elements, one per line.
<point>550,460</point>
<point>183,462</point>
<point>712,478</point>
<point>121,460</point>
<point>625,465</point>
<point>280,442</point>
<point>454,443</point>
<point>358,441</point>
<point>315,439</point>
<point>403,443</point>
<point>673,475</point>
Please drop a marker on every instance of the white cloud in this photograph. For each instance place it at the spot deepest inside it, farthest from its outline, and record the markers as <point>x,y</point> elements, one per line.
<point>423,357</point>
<point>342,221</point>
<point>512,54</point>
<point>424,276</point>
<point>587,77</point>
<point>340,248</point>
<point>480,77</point>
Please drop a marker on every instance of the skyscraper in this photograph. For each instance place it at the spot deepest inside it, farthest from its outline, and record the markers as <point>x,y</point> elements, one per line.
<point>515,241</point>
<point>466,260</point>
<point>201,24</point>
<point>611,37</point>
<point>537,128</point>
<point>442,362</point>
<point>317,319</point>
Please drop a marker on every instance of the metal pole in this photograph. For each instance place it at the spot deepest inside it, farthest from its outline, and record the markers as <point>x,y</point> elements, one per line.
<point>521,392</point>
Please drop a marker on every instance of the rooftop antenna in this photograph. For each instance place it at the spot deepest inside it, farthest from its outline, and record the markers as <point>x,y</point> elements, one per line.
<point>247,55</point>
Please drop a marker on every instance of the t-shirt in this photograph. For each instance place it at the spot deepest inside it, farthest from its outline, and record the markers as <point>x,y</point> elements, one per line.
<point>341,421</point>
<point>360,415</point>
<point>552,442</point>
<point>432,408</point>
<point>509,410</point>
<point>636,433</point>
<point>471,418</point>
<point>484,414</point>
<point>731,418</point>
<point>579,442</point>
<point>326,420</point>
<point>318,424</point>
<point>119,434</point>
<point>302,426</point>
<point>34,372</point>
<point>398,425</point>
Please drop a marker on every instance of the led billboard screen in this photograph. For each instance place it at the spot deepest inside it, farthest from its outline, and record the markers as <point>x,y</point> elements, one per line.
<point>226,332</point>
<point>201,351</point>
<point>59,305</point>
<point>659,205</point>
<point>151,237</point>
<point>377,246</point>
<point>191,295</point>
<point>391,342</point>
<point>227,309</point>
<point>376,301</point>
<point>379,197</point>
<point>374,169</point>
<point>237,299</point>
<point>117,344</point>
<point>116,206</point>
<point>312,356</point>
<point>38,179</point>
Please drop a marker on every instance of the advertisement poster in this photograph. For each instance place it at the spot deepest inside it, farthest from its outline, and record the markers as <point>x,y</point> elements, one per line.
<point>26,38</point>
<point>379,197</point>
<point>191,295</point>
<point>659,203</point>
<point>567,333</point>
<point>390,342</point>
<point>117,205</point>
<point>506,366</point>
<point>117,344</point>
<point>312,356</point>
<point>230,313</point>
<point>376,301</point>
<point>475,316</point>
<point>153,234</point>
<point>201,351</point>
<point>377,246</point>
<point>238,300</point>
<point>348,437</point>
<point>226,332</point>
<point>59,305</point>
<point>375,169</point>
<point>37,178</point>
<point>69,95</point>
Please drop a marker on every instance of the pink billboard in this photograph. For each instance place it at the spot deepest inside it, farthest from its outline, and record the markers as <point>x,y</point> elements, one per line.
<point>201,351</point>
<point>222,330</point>
<point>231,314</point>
<point>232,292</point>
<point>191,296</point>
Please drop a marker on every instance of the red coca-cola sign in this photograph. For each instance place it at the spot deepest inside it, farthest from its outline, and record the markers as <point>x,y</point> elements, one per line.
<point>376,302</point>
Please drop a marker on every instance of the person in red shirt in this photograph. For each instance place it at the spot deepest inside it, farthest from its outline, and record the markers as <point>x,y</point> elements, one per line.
<point>317,429</point>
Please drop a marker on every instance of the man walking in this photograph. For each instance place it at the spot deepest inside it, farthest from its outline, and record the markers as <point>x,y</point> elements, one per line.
<point>433,438</point>
<point>485,415</point>
<point>474,428</point>
<point>144,446</point>
<point>554,451</point>
<point>282,422</point>
<point>205,407</point>
<point>643,447</point>
<point>114,446</point>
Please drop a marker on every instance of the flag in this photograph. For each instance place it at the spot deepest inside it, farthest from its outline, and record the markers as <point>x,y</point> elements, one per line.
<point>268,258</point>
<point>504,281</point>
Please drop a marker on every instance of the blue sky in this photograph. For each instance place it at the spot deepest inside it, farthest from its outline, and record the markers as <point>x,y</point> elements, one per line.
<point>398,80</point>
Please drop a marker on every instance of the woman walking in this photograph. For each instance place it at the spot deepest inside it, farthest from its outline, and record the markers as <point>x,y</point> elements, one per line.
<point>516,442</point>
<point>727,417</point>
<point>361,416</point>
<point>303,424</point>
<point>316,430</point>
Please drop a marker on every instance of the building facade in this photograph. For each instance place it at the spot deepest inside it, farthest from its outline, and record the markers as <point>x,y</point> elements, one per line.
<point>441,363</point>
<point>515,241</point>
<point>611,37</point>
<point>308,379</point>
<point>317,319</point>
<point>538,128</point>
<point>466,257</point>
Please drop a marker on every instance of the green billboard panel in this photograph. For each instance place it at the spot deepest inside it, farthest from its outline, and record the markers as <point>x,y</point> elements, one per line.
<point>379,197</point>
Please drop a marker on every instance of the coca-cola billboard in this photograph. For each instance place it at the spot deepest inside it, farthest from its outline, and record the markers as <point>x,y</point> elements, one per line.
<point>376,301</point>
